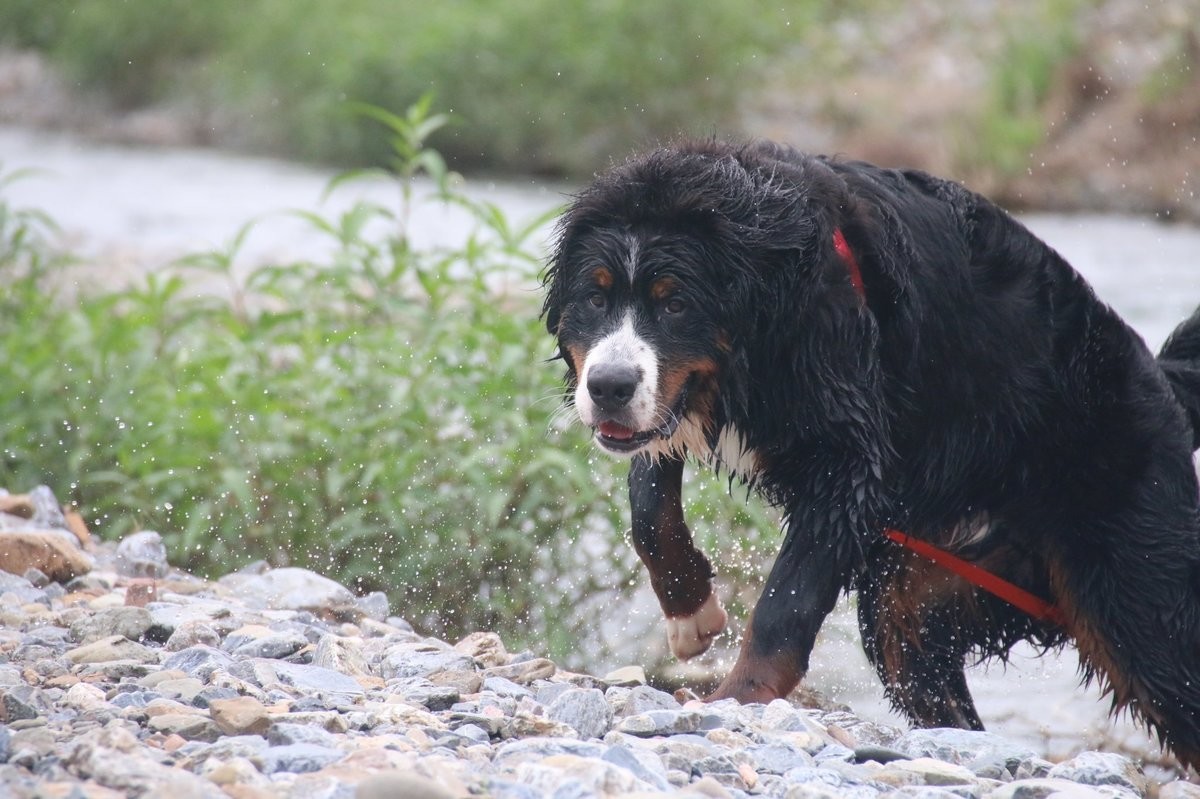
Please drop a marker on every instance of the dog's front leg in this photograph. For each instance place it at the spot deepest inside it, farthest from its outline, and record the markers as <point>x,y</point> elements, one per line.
<point>800,592</point>
<point>679,573</point>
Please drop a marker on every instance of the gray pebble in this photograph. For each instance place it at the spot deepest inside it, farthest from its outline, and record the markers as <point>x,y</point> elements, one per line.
<point>284,734</point>
<point>142,555</point>
<point>198,661</point>
<point>583,709</point>
<point>128,622</point>
<point>1101,768</point>
<point>297,758</point>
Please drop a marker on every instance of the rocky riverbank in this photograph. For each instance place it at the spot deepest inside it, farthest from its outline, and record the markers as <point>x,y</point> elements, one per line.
<point>120,676</point>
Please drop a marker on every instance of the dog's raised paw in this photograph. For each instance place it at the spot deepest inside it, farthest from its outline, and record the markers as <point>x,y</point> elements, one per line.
<point>689,636</point>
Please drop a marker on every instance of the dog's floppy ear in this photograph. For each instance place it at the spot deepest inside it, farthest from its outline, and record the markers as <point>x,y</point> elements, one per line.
<point>554,278</point>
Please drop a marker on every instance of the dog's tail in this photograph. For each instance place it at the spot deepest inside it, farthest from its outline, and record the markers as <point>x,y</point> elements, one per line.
<point>1180,360</point>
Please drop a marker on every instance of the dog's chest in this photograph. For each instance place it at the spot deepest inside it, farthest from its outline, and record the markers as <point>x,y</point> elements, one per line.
<point>730,453</point>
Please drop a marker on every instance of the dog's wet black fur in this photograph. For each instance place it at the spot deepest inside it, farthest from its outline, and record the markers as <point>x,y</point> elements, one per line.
<point>975,393</point>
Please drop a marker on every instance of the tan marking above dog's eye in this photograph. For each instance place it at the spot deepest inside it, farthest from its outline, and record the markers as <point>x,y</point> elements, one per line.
<point>663,288</point>
<point>602,277</point>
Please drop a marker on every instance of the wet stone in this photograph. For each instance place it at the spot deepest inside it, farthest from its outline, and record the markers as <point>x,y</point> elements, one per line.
<point>142,555</point>
<point>241,715</point>
<point>112,648</point>
<point>963,746</point>
<point>1101,768</point>
<point>191,726</point>
<point>205,697</point>
<point>315,679</point>
<point>627,676</point>
<point>293,589</point>
<point>19,703</point>
<point>640,699</point>
<point>273,646</point>
<point>192,633</point>
<point>297,758</point>
<point>184,689</point>
<point>422,660</point>
<point>344,655</point>
<point>374,605</point>
<point>778,759</point>
<point>401,785</point>
<point>127,622</point>
<point>285,734</point>
<point>506,687</point>
<point>198,661</point>
<point>523,672</point>
<point>252,701</point>
<point>660,722</point>
<point>583,709</point>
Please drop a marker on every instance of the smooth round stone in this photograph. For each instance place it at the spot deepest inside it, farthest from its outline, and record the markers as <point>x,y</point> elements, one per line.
<point>131,623</point>
<point>242,715</point>
<point>1101,768</point>
<point>198,661</point>
<point>142,555</point>
<point>660,722</point>
<point>400,785</point>
<point>421,660</point>
<point>285,733</point>
<point>583,709</point>
<point>641,699</point>
<point>374,605</point>
<point>297,758</point>
<point>192,633</point>
<point>112,648</point>
<point>293,588</point>
<point>963,746</point>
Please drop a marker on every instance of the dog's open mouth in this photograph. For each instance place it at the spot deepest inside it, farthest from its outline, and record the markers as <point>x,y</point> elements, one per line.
<point>619,438</point>
<point>616,437</point>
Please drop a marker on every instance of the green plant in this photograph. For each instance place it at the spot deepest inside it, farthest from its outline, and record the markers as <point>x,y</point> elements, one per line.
<point>538,85</point>
<point>382,415</point>
<point>1036,44</point>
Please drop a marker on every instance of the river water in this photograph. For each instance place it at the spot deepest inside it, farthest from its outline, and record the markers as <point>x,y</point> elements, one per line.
<point>134,210</point>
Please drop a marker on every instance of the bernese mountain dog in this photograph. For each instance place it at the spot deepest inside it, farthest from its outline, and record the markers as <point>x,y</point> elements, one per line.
<point>878,350</point>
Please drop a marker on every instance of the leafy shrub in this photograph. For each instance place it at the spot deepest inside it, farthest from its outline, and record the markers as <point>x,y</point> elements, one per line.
<point>535,83</point>
<point>383,416</point>
<point>1036,44</point>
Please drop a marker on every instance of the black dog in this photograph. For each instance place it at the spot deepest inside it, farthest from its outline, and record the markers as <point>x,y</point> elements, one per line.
<point>881,350</point>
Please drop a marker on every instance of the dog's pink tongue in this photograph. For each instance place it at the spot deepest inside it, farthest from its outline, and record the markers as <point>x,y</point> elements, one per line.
<point>614,430</point>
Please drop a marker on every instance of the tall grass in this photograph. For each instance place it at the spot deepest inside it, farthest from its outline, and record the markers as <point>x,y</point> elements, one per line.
<point>384,415</point>
<point>535,84</point>
<point>1011,125</point>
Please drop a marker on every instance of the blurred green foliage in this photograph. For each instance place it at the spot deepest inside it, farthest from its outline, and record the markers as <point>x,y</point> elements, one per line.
<point>548,86</point>
<point>383,415</point>
<point>1037,42</point>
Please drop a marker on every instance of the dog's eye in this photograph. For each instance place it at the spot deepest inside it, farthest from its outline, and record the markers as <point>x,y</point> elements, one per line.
<point>674,306</point>
<point>596,299</point>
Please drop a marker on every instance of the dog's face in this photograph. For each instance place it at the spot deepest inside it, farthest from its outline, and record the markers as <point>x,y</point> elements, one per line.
<point>642,335</point>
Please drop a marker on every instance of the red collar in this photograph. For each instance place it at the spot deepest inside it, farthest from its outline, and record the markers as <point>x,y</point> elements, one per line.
<point>847,255</point>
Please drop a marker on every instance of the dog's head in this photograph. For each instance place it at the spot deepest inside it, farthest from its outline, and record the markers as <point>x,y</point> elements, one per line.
<point>659,279</point>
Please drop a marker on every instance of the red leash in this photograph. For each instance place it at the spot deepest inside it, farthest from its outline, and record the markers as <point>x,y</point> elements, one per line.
<point>981,578</point>
<point>1014,595</point>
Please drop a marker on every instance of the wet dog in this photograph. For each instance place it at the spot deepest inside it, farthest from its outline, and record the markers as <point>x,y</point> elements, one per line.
<point>879,350</point>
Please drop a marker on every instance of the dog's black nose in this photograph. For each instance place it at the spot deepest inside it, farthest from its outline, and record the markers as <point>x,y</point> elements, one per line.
<point>611,386</point>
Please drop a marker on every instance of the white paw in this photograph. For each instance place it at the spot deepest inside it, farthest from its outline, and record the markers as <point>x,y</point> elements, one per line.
<point>689,636</point>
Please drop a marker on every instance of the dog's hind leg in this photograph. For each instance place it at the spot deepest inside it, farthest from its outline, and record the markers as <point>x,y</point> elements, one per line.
<point>914,630</point>
<point>1131,597</point>
<point>679,573</point>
